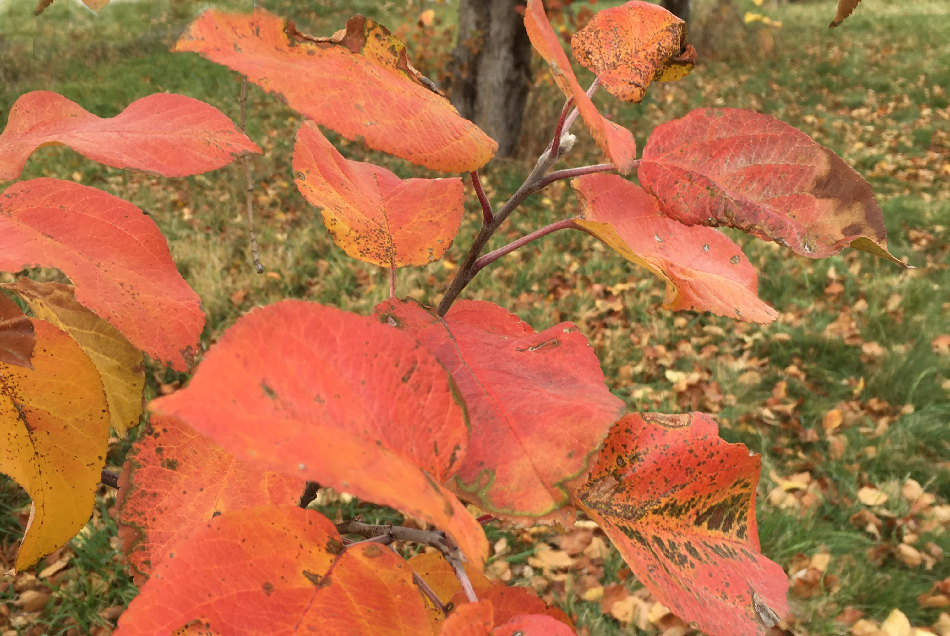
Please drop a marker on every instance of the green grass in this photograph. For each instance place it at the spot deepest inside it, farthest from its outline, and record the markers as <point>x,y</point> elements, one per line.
<point>874,90</point>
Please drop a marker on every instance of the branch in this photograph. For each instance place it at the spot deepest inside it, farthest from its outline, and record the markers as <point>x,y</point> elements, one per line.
<point>430,594</point>
<point>309,494</point>
<point>487,215</point>
<point>590,93</point>
<point>570,173</point>
<point>555,147</point>
<point>524,240</point>
<point>249,192</point>
<point>392,281</point>
<point>109,478</point>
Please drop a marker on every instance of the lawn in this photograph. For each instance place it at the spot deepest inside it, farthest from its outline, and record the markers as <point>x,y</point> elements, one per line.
<point>846,396</point>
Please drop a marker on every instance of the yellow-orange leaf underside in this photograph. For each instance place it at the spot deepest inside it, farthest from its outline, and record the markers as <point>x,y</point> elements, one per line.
<point>628,47</point>
<point>114,254</point>
<point>175,479</point>
<point>738,168</point>
<point>616,142</point>
<point>54,422</point>
<point>679,504</point>
<point>703,269</point>
<point>537,402</point>
<point>163,134</point>
<point>372,214</point>
<point>118,362</point>
<point>340,399</point>
<point>276,571</point>
<point>358,83</point>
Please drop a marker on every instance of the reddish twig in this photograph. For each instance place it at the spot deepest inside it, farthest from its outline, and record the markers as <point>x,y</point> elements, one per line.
<point>487,215</point>
<point>392,281</point>
<point>574,113</point>
<point>555,147</point>
<point>486,519</point>
<point>430,594</point>
<point>524,240</point>
<point>570,173</point>
<point>249,192</point>
<point>109,478</point>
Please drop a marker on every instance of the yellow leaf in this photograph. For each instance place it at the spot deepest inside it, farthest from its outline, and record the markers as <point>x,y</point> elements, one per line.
<point>54,423</point>
<point>753,17</point>
<point>871,496</point>
<point>118,362</point>
<point>896,624</point>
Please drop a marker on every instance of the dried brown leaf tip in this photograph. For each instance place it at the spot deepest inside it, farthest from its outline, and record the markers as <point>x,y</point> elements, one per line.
<point>845,7</point>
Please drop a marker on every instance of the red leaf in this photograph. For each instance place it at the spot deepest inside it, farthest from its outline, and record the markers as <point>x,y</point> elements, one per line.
<point>703,269</point>
<point>679,504</point>
<point>371,213</point>
<point>114,254</point>
<point>732,167</point>
<point>174,479</point>
<point>17,339</point>
<point>272,571</point>
<point>478,619</point>
<point>358,83</point>
<point>537,402</point>
<point>616,142</point>
<point>163,134</point>
<point>509,602</point>
<point>628,47</point>
<point>469,619</point>
<point>533,625</point>
<point>340,399</point>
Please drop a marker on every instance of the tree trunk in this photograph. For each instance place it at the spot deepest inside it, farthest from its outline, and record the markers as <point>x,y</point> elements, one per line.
<point>679,8</point>
<point>491,69</point>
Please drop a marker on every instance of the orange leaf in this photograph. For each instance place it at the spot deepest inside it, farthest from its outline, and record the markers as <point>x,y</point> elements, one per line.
<point>703,269</point>
<point>371,213</point>
<point>358,83</point>
<point>533,625</point>
<point>845,7</point>
<point>616,142</point>
<point>113,253</point>
<point>537,402</point>
<point>162,134</point>
<point>276,570</point>
<point>174,479</point>
<point>469,619</point>
<point>741,169</point>
<point>340,399</point>
<point>509,602</point>
<point>628,47</point>
<point>679,504</point>
<point>54,422</point>
<point>441,579</point>
<point>16,335</point>
<point>479,619</point>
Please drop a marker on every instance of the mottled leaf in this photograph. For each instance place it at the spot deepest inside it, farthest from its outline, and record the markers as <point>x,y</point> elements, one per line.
<point>276,571</point>
<point>703,269</point>
<point>537,402</point>
<point>628,47</point>
<point>175,479</point>
<point>616,142</point>
<point>163,134</point>
<point>738,168</point>
<point>845,7</point>
<point>371,213</point>
<point>17,339</point>
<point>54,423</point>
<point>339,399</point>
<point>118,362</point>
<point>679,504</point>
<point>358,83</point>
<point>114,254</point>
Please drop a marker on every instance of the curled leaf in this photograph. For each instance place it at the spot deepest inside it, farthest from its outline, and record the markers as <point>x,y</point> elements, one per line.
<point>163,134</point>
<point>371,213</point>
<point>845,7</point>
<point>616,141</point>
<point>358,83</point>
<point>679,504</point>
<point>325,395</point>
<point>741,169</point>
<point>703,269</point>
<point>628,47</point>
<point>115,256</point>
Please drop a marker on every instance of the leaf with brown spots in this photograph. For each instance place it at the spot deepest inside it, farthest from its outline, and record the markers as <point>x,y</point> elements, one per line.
<point>537,402</point>
<point>616,141</point>
<point>174,479</point>
<point>276,570</point>
<point>737,168</point>
<point>54,423</point>
<point>358,82</point>
<point>845,7</point>
<point>118,362</point>
<point>372,214</point>
<point>115,256</point>
<point>16,335</point>
<point>703,269</point>
<point>679,504</point>
<point>628,47</point>
<point>163,134</point>
<point>325,395</point>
